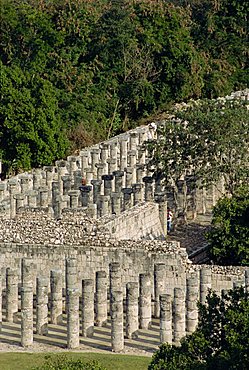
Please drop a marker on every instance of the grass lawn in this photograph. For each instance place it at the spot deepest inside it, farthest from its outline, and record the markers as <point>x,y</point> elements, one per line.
<point>24,361</point>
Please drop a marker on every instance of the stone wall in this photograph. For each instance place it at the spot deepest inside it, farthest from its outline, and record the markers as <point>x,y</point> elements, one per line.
<point>140,222</point>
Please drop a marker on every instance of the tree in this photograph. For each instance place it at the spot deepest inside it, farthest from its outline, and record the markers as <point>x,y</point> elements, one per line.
<point>220,340</point>
<point>207,140</point>
<point>31,130</point>
<point>229,236</point>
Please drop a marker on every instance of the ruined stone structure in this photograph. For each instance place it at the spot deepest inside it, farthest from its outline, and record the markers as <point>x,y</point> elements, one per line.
<point>94,259</point>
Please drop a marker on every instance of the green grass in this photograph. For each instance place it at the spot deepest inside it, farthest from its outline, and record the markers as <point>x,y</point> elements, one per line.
<point>24,361</point>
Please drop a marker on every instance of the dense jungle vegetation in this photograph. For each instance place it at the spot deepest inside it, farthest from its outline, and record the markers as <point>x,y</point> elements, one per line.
<point>74,72</point>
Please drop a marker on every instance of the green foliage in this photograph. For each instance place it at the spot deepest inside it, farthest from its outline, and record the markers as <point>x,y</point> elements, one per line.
<point>31,130</point>
<point>219,342</point>
<point>209,138</point>
<point>229,236</point>
<point>101,65</point>
<point>62,362</point>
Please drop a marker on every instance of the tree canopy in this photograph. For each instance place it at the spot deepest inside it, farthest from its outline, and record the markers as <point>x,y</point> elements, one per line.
<point>229,236</point>
<point>86,70</point>
<point>220,340</point>
<point>206,139</point>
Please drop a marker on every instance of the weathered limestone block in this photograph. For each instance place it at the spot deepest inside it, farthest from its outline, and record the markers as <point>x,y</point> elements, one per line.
<point>72,304</point>
<point>117,331</point>
<point>42,305</point>
<point>131,310</point>
<point>179,315</point>
<point>56,297</point>
<point>144,301</point>
<point>159,277</point>
<point>87,308</point>
<point>148,188</point>
<point>11,294</point>
<point>101,298</point>
<point>192,296</point>
<point>165,318</point>
<point>205,283</point>
<point>26,316</point>
<point>71,273</point>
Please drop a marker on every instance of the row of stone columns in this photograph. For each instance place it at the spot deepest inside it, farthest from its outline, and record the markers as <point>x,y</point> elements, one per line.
<point>174,306</point>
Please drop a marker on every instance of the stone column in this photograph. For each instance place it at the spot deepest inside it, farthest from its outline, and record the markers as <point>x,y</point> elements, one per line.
<point>140,173</point>
<point>72,161</point>
<point>127,199</point>
<point>49,175</point>
<point>56,297</point>
<point>100,170</point>
<point>89,176</point>
<point>165,318</point>
<point>104,205</point>
<point>67,180</point>
<point>72,307</point>
<point>117,331</point>
<point>27,268</point>
<point>115,276</point>
<point>95,155</point>
<point>84,159</point>
<point>2,190</point>
<point>24,182</point>
<point>113,151</point>
<point>96,189</point>
<point>123,141</point>
<point>192,295</point>
<point>101,298</point>
<point>77,179</point>
<point>12,186</point>
<point>112,165</point>
<point>144,301</point>
<point>32,198</point>
<point>118,175</point>
<point>107,184</point>
<point>19,198</point>
<point>131,310</point>
<point>63,202</point>
<point>133,140</point>
<point>74,198</point>
<point>148,188</point>
<point>42,306</point>
<point>62,170</point>
<point>129,180</point>
<point>160,198</point>
<point>26,316</point>
<point>85,194</point>
<point>87,308</point>
<point>179,315</point>
<point>132,158</point>
<point>141,155</point>
<point>55,195</point>
<point>104,155</point>
<point>116,203</point>
<point>205,283</point>
<point>137,191</point>
<point>71,273</point>
<point>142,135</point>
<point>37,177</point>
<point>11,294</point>
<point>43,196</point>
<point>159,277</point>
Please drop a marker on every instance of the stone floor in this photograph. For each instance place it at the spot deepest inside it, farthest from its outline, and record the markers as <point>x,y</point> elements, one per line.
<point>192,235</point>
<point>145,344</point>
